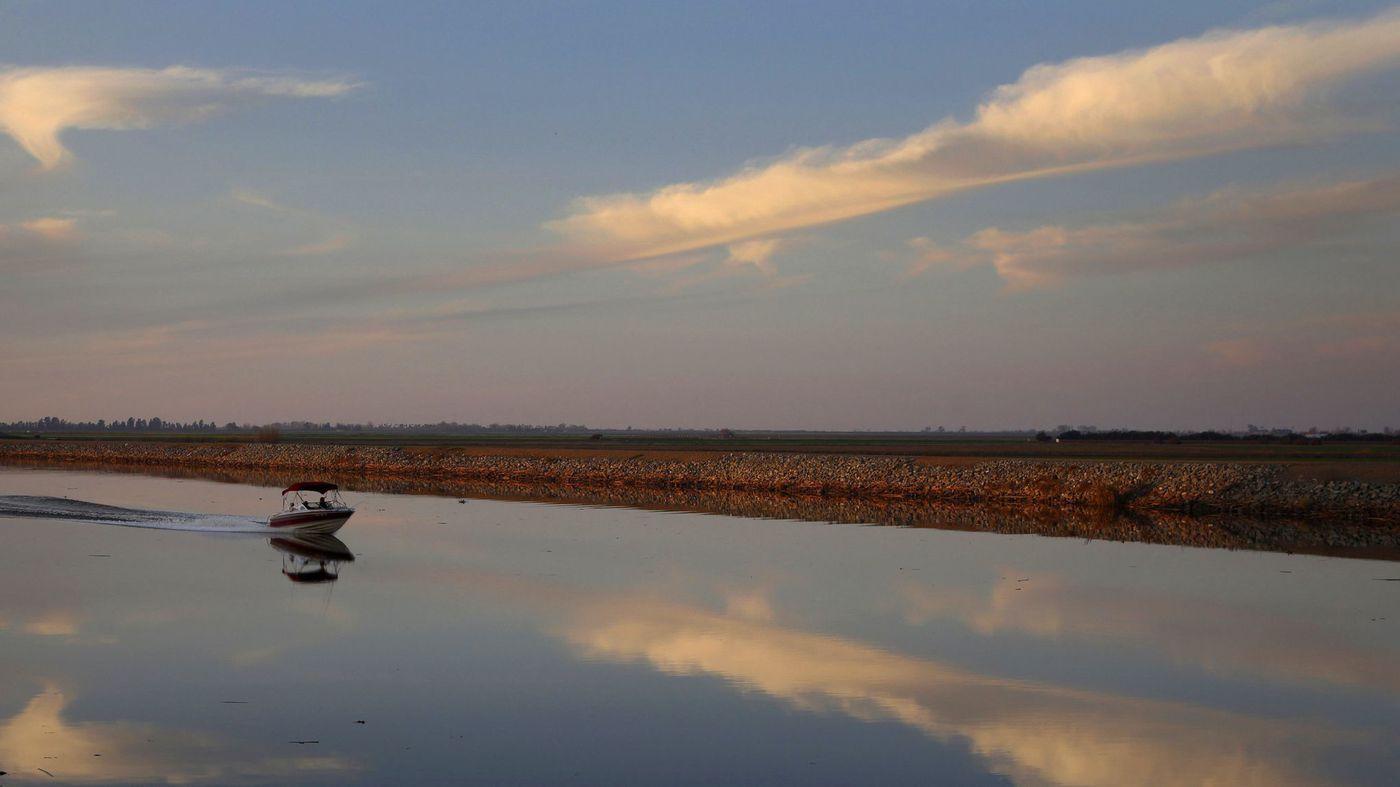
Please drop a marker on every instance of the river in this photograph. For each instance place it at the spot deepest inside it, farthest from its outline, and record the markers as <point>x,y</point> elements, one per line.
<point>457,640</point>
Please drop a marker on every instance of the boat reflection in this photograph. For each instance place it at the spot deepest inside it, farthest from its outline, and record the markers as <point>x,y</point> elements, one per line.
<point>313,558</point>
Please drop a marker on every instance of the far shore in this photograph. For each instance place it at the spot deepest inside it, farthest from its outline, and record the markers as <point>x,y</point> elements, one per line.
<point>1357,491</point>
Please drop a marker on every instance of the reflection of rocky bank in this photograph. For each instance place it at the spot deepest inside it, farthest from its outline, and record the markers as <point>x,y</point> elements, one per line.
<point>1195,487</point>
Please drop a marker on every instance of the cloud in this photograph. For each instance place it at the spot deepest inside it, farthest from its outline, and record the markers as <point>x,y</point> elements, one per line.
<point>38,104</point>
<point>1221,91</point>
<point>192,343</point>
<point>1221,227</point>
<point>757,253</point>
<point>505,268</point>
<point>53,228</point>
<point>1242,351</point>
<point>1369,338</point>
<point>930,256</point>
<point>743,259</point>
<point>36,241</point>
<point>337,235</point>
<point>336,241</point>
<point>257,200</point>
<point>54,623</point>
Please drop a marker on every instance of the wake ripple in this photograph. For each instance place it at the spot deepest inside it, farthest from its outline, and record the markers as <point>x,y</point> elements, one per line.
<point>35,507</point>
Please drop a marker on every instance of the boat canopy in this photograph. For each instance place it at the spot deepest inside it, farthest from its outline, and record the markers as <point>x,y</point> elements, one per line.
<point>311,486</point>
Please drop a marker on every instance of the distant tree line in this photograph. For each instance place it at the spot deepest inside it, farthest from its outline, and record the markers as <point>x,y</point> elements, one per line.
<point>51,424</point>
<point>1343,435</point>
<point>148,425</point>
<point>275,431</point>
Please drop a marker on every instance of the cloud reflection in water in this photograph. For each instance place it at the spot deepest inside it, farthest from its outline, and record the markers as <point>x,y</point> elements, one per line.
<point>1213,634</point>
<point>1034,732</point>
<point>131,752</point>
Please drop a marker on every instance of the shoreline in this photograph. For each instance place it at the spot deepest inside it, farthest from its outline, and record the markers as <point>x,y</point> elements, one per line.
<point>1193,487</point>
<point>1366,540</point>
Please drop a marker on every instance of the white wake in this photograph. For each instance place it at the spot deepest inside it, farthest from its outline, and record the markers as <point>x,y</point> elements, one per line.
<point>36,507</point>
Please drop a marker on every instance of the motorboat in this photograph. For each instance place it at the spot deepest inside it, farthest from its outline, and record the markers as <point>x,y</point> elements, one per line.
<point>303,512</point>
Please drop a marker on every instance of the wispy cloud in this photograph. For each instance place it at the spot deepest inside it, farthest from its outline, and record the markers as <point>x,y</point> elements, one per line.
<point>253,198</point>
<point>53,228</point>
<point>38,104</point>
<point>336,234</point>
<point>178,344</point>
<point>1240,351</point>
<point>745,259</point>
<point>339,240</point>
<point>36,240</point>
<point>1192,97</point>
<point>755,253</point>
<point>1370,338</point>
<point>1225,226</point>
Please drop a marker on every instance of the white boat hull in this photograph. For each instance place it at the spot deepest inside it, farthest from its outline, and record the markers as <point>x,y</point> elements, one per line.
<point>323,521</point>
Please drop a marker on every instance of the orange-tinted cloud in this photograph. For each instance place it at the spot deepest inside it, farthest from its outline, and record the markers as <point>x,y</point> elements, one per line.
<point>31,243</point>
<point>38,104</point>
<point>1226,226</point>
<point>1367,337</point>
<point>1192,97</point>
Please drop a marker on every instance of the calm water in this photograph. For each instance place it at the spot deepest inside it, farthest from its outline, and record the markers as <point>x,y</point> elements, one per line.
<point>502,642</point>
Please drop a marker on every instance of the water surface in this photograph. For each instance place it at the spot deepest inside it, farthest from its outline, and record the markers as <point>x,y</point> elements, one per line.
<point>441,641</point>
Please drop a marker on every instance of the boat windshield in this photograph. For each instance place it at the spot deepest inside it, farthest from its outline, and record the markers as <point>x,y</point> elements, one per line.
<point>311,501</point>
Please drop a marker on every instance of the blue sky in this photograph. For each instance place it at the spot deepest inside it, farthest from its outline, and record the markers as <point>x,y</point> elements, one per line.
<point>787,215</point>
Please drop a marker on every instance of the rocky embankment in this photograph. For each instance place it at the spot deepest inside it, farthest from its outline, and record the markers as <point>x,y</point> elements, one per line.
<point>1192,487</point>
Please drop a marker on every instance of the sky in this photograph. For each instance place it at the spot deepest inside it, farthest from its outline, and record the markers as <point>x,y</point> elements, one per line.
<point>805,215</point>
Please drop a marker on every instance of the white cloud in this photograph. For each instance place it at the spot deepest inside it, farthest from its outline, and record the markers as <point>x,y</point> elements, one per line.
<point>1192,97</point>
<point>1225,226</point>
<point>38,104</point>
